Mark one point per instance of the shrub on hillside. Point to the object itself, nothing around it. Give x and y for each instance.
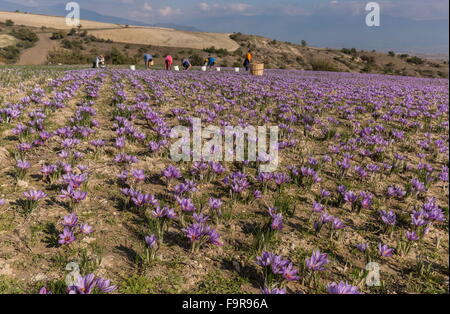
(415, 60)
(323, 65)
(10, 53)
(72, 44)
(196, 60)
(220, 52)
(116, 57)
(9, 23)
(352, 51)
(236, 36)
(368, 59)
(58, 35)
(25, 35)
(67, 57)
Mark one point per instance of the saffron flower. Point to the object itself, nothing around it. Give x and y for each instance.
(317, 261)
(384, 250)
(66, 237)
(342, 288)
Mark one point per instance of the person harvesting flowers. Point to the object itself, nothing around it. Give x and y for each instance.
(168, 61)
(248, 60)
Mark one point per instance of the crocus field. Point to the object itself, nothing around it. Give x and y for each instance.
(91, 202)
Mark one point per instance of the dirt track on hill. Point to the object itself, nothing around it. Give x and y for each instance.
(38, 54)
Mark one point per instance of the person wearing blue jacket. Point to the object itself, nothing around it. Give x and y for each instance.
(148, 60)
(211, 62)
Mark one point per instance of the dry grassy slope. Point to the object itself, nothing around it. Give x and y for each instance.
(167, 37)
(7, 40)
(287, 55)
(132, 35)
(37, 20)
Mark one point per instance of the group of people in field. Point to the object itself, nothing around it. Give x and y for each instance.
(209, 62)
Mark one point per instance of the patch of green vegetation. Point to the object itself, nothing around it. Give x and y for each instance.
(285, 204)
(10, 286)
(137, 285)
(6, 221)
(55, 286)
(217, 282)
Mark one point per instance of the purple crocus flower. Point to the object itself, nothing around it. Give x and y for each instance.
(86, 229)
(200, 218)
(384, 250)
(317, 261)
(362, 246)
(290, 273)
(47, 170)
(273, 291)
(34, 195)
(337, 224)
(171, 172)
(318, 208)
(66, 237)
(214, 203)
(342, 288)
(139, 175)
(23, 164)
(104, 285)
(412, 236)
(265, 259)
(194, 232)
(44, 290)
(70, 221)
(78, 196)
(418, 186)
(324, 193)
(257, 194)
(187, 205)
(389, 218)
(214, 237)
(394, 191)
(84, 285)
(277, 222)
(350, 197)
(418, 218)
(152, 241)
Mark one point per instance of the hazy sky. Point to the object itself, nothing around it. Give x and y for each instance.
(177, 11)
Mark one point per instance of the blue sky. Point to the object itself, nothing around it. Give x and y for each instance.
(177, 11)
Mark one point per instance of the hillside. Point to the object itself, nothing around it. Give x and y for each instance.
(126, 44)
(127, 34)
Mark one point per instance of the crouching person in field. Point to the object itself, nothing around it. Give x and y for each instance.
(148, 60)
(168, 61)
(187, 64)
(99, 62)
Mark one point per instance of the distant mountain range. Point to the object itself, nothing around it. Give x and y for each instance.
(58, 10)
